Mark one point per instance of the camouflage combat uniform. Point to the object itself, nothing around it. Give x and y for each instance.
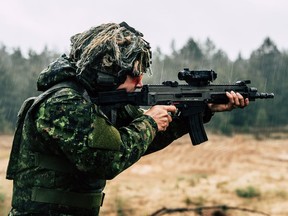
(68, 147)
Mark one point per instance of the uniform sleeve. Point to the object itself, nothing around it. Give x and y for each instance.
(72, 126)
(177, 128)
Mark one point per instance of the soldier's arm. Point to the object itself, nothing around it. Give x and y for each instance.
(88, 140)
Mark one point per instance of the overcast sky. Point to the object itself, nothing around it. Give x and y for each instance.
(233, 25)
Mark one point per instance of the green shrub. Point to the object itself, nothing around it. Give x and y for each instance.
(248, 192)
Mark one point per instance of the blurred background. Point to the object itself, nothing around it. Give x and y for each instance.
(240, 40)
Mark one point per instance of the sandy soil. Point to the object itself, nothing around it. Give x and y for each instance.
(5, 185)
(186, 176)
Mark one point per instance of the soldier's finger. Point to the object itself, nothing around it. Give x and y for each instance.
(170, 108)
(230, 97)
(169, 118)
(240, 99)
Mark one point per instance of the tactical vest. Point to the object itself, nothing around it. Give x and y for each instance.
(72, 199)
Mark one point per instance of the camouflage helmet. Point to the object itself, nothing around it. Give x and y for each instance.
(105, 54)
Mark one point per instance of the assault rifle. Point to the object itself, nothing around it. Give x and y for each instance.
(191, 99)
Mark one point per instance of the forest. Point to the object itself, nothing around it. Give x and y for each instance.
(267, 68)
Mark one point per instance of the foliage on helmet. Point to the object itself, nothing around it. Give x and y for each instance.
(113, 49)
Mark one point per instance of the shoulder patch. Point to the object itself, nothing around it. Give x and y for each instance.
(104, 135)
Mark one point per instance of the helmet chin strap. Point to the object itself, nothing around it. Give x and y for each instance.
(99, 80)
(105, 79)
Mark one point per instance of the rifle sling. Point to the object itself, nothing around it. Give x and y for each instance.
(74, 199)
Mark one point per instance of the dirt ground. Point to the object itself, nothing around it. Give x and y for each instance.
(238, 171)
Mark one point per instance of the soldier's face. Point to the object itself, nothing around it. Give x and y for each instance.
(132, 83)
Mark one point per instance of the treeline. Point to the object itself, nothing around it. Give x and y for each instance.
(18, 75)
(267, 68)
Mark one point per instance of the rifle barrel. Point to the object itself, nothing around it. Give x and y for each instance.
(264, 95)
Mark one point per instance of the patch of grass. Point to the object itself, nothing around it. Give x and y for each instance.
(2, 197)
(2, 207)
(199, 201)
(195, 179)
(122, 208)
(222, 184)
(188, 201)
(248, 192)
(281, 194)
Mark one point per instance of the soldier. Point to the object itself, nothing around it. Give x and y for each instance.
(65, 147)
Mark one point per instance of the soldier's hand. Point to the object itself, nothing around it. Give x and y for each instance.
(236, 100)
(161, 115)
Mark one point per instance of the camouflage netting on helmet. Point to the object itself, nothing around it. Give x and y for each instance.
(112, 49)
